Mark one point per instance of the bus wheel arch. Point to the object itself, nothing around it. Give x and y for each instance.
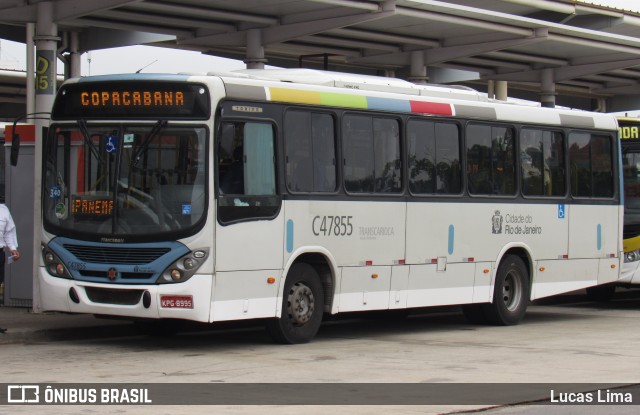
(511, 289)
(307, 294)
(325, 266)
(523, 252)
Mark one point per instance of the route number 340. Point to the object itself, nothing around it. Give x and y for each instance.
(332, 225)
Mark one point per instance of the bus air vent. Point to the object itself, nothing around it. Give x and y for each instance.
(111, 296)
(102, 255)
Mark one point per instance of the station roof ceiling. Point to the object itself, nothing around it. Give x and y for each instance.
(593, 51)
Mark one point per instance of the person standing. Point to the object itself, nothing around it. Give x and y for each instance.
(8, 241)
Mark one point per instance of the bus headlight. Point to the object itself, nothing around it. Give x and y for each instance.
(632, 256)
(53, 264)
(184, 268)
(189, 263)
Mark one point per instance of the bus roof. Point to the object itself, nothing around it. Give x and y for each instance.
(325, 88)
(306, 86)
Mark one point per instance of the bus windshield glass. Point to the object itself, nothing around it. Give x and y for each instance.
(631, 163)
(125, 181)
(630, 141)
(631, 169)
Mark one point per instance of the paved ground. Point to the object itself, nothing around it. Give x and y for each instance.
(567, 340)
(23, 325)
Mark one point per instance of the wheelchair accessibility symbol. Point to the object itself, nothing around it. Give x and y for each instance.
(561, 211)
(112, 144)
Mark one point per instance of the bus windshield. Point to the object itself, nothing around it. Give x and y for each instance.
(631, 163)
(631, 168)
(124, 181)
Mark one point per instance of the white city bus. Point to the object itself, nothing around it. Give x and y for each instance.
(288, 194)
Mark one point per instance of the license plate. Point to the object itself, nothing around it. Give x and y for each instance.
(176, 301)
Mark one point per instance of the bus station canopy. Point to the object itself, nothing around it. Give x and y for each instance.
(584, 50)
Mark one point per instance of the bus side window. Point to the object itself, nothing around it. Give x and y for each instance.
(434, 157)
(246, 172)
(542, 162)
(225, 156)
(310, 151)
(259, 160)
(591, 165)
(491, 160)
(602, 166)
(372, 160)
(479, 159)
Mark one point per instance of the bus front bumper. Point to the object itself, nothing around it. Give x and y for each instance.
(630, 273)
(189, 300)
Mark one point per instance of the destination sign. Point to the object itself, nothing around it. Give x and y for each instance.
(91, 207)
(132, 98)
(628, 132)
(129, 99)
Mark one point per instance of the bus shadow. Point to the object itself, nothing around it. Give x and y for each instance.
(356, 325)
(349, 326)
(623, 299)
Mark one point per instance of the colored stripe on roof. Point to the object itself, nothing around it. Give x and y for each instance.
(431, 108)
(343, 100)
(388, 104)
(295, 95)
(335, 99)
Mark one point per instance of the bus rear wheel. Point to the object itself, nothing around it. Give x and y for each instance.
(302, 307)
(510, 294)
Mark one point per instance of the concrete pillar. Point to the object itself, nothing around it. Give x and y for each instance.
(75, 65)
(501, 90)
(255, 51)
(31, 69)
(491, 89)
(418, 69)
(548, 86)
(46, 39)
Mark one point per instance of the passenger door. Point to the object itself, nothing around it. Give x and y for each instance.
(250, 225)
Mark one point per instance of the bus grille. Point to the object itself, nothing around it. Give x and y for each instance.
(105, 255)
(109, 296)
(123, 275)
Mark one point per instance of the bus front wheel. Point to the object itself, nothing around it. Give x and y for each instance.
(510, 294)
(302, 307)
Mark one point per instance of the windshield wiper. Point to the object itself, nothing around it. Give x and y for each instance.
(82, 124)
(161, 124)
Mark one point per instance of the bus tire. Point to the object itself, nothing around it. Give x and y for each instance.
(601, 293)
(302, 307)
(510, 294)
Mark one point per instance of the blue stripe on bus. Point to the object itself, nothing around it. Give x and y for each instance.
(599, 237)
(290, 236)
(388, 104)
(451, 235)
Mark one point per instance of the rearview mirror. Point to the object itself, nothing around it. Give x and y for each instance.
(15, 147)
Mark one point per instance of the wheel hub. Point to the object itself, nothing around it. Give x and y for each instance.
(301, 304)
(511, 292)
